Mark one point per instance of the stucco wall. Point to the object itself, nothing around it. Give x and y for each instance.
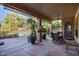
(71, 19)
(77, 19)
(77, 12)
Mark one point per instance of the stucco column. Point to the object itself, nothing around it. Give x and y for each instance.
(1, 42)
(77, 38)
(39, 34)
(0, 29)
(50, 26)
(78, 31)
(40, 26)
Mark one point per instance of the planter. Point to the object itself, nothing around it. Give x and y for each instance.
(32, 38)
(44, 36)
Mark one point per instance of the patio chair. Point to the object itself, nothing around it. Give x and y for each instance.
(60, 37)
(55, 37)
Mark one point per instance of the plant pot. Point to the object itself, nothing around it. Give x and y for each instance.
(33, 38)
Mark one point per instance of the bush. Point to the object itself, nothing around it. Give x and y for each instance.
(13, 36)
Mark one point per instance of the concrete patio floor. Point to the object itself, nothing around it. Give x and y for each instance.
(20, 47)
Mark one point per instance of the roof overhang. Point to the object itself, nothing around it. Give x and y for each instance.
(47, 11)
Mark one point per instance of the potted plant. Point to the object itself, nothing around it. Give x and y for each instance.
(32, 37)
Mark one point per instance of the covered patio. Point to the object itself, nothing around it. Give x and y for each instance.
(21, 47)
(68, 13)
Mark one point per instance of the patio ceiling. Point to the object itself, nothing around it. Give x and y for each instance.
(47, 11)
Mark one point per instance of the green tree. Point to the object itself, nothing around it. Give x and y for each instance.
(10, 21)
(45, 26)
(21, 22)
(56, 24)
(13, 21)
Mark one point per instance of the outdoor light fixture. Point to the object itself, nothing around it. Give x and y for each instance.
(59, 17)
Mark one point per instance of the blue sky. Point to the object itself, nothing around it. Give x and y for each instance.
(4, 12)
